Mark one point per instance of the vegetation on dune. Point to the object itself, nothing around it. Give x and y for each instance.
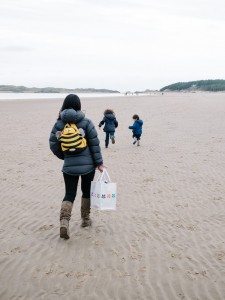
(23, 89)
(199, 85)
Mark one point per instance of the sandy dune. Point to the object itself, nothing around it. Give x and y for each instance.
(165, 241)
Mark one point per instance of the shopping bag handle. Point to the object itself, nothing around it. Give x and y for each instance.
(104, 175)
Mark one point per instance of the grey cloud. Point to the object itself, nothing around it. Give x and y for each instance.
(116, 43)
(15, 48)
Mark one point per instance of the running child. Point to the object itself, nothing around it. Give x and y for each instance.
(110, 126)
(137, 129)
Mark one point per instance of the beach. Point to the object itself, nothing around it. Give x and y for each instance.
(166, 239)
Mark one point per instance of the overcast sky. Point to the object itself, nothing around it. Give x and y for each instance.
(116, 44)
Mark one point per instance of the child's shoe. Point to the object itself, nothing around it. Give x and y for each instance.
(113, 140)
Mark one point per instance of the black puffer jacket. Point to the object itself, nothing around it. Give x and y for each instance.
(110, 122)
(86, 161)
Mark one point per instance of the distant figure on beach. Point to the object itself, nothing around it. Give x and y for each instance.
(74, 139)
(137, 129)
(110, 126)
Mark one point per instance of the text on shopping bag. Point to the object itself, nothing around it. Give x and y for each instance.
(103, 196)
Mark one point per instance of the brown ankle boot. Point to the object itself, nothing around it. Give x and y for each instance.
(85, 212)
(65, 215)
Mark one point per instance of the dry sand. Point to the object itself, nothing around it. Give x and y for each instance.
(165, 241)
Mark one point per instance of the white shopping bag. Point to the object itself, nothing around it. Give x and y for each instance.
(103, 193)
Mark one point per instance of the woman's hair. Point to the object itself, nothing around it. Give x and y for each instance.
(108, 111)
(136, 117)
(71, 101)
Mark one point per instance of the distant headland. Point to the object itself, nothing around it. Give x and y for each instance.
(216, 85)
(23, 89)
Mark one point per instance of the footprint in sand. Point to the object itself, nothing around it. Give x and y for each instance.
(220, 255)
(46, 227)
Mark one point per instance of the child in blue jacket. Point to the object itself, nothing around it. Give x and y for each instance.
(110, 126)
(137, 129)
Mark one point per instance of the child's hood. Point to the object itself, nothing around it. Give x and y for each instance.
(110, 116)
(140, 122)
(71, 115)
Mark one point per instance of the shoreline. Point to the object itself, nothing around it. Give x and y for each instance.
(101, 96)
(49, 96)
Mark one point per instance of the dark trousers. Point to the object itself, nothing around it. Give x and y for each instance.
(107, 136)
(137, 136)
(71, 183)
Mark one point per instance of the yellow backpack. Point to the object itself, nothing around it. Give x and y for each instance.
(72, 141)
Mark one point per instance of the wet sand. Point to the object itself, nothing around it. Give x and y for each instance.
(166, 239)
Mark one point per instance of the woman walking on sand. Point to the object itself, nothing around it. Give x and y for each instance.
(74, 139)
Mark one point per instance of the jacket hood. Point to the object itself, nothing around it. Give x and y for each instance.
(110, 116)
(71, 115)
(140, 122)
